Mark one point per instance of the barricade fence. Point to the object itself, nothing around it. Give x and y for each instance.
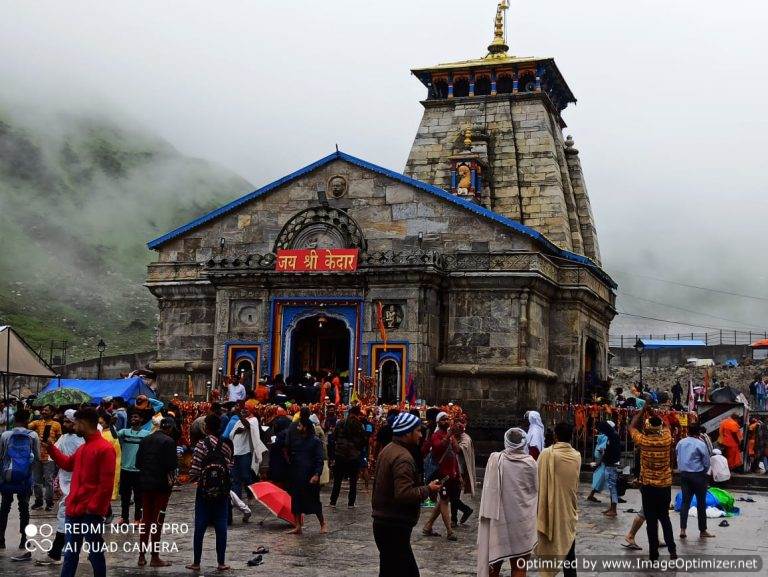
(721, 337)
(584, 419)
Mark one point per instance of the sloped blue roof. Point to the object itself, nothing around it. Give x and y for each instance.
(439, 192)
(651, 345)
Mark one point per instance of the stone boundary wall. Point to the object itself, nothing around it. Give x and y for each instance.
(112, 367)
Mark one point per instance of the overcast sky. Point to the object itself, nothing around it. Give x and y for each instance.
(670, 122)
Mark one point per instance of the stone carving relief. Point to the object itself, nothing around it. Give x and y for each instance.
(392, 316)
(338, 186)
(245, 314)
(321, 227)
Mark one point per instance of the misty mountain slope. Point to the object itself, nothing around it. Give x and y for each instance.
(79, 198)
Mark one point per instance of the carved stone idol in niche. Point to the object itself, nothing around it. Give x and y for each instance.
(392, 316)
(465, 180)
(338, 186)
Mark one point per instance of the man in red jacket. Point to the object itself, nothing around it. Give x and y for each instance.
(93, 473)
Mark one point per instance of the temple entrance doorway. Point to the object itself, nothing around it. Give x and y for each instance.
(245, 373)
(319, 345)
(591, 381)
(389, 382)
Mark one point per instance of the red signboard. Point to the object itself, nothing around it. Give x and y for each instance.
(317, 260)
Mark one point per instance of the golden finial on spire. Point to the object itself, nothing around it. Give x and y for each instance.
(498, 47)
(468, 138)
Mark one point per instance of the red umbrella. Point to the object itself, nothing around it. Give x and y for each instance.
(761, 344)
(274, 499)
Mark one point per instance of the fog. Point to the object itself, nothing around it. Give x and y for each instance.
(669, 120)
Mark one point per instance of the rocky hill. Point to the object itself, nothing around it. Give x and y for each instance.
(79, 198)
(664, 377)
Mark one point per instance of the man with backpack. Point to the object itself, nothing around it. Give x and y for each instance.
(19, 450)
(211, 464)
(350, 441)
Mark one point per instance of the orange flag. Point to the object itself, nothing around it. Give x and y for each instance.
(380, 323)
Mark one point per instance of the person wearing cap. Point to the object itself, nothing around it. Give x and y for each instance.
(68, 443)
(396, 498)
(718, 468)
(156, 462)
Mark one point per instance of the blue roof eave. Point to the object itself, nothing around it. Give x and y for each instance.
(652, 345)
(434, 190)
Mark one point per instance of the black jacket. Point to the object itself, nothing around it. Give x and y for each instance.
(156, 462)
(350, 439)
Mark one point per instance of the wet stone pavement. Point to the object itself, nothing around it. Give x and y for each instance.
(349, 548)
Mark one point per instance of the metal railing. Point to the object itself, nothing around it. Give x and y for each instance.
(721, 337)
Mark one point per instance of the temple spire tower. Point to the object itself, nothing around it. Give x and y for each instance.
(519, 165)
(498, 48)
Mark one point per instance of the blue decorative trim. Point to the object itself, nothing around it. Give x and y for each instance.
(350, 310)
(434, 190)
(229, 343)
(370, 351)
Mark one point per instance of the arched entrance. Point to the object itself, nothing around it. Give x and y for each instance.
(591, 380)
(319, 344)
(244, 372)
(389, 382)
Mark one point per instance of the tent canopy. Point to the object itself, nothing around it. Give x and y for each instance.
(651, 345)
(129, 388)
(761, 344)
(18, 358)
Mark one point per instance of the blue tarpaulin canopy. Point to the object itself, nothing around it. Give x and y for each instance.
(129, 388)
(650, 345)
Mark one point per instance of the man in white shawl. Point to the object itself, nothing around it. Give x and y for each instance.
(249, 448)
(508, 508)
(559, 467)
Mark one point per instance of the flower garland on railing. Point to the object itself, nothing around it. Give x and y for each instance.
(266, 413)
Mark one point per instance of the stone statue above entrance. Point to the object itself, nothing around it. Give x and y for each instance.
(320, 227)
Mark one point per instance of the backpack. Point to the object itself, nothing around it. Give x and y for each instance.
(214, 482)
(17, 464)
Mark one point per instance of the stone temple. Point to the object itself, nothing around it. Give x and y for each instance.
(473, 276)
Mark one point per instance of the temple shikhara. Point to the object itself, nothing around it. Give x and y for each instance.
(473, 276)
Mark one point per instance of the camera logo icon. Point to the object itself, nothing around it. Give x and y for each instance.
(38, 537)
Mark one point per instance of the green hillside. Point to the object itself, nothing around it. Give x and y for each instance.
(79, 198)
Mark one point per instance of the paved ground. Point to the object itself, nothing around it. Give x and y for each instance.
(349, 548)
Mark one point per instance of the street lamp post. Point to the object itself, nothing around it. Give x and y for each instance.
(640, 347)
(101, 346)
